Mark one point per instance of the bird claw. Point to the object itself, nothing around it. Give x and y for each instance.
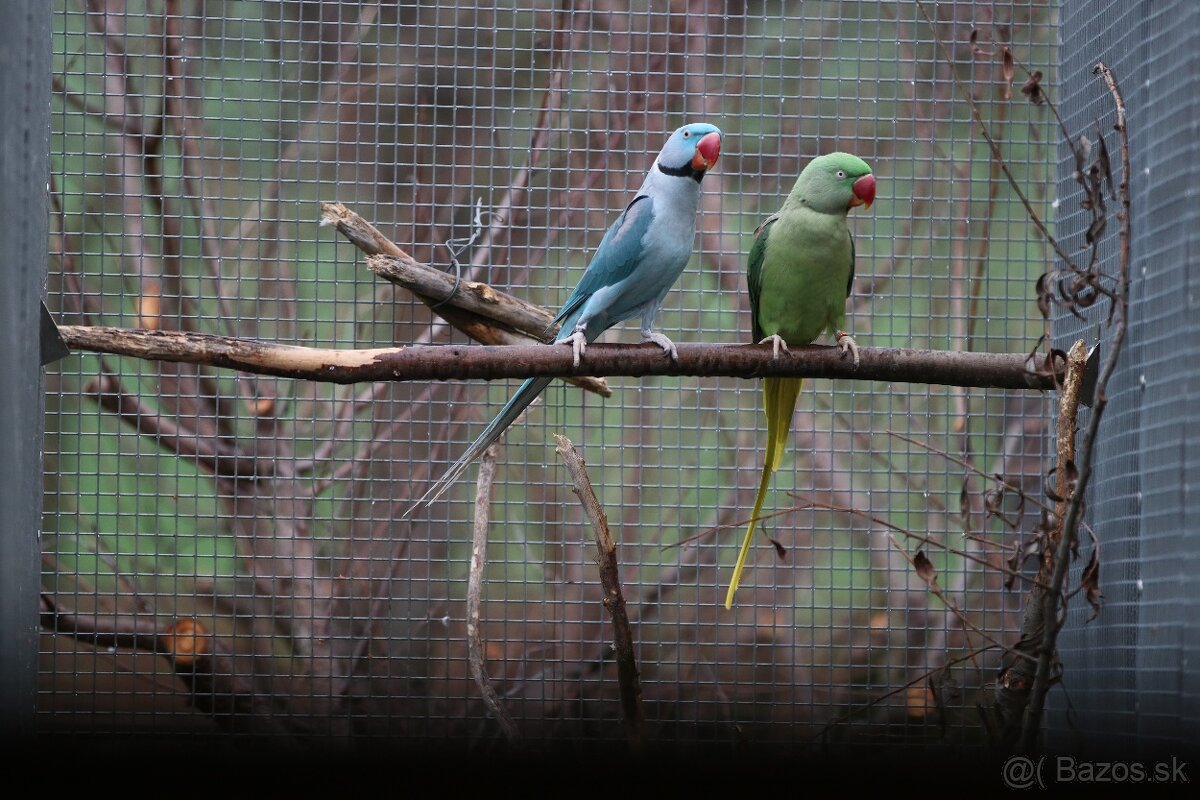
(847, 344)
(663, 342)
(578, 342)
(777, 344)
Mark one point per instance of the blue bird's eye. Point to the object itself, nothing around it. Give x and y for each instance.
(686, 134)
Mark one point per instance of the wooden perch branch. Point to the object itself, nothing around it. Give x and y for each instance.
(478, 298)
(454, 362)
(614, 599)
(485, 314)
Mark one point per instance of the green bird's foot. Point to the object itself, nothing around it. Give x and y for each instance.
(777, 344)
(662, 341)
(847, 345)
(578, 343)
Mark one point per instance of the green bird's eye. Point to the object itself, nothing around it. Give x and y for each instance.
(841, 174)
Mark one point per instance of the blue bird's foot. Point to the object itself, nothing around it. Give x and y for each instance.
(777, 344)
(846, 344)
(578, 342)
(662, 341)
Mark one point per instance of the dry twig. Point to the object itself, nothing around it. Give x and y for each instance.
(614, 598)
(476, 657)
(475, 319)
(1119, 314)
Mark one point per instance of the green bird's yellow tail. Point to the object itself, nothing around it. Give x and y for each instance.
(779, 401)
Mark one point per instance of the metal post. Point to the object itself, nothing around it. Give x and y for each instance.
(24, 167)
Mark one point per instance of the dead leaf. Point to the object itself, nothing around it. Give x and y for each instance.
(993, 500)
(924, 567)
(1044, 297)
(1072, 476)
(1050, 486)
(1033, 88)
(1103, 162)
(1022, 552)
(1008, 70)
(1083, 151)
(964, 506)
(780, 550)
(1090, 581)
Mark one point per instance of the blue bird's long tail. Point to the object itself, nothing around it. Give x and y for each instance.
(520, 401)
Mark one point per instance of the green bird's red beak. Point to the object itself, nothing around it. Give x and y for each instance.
(864, 191)
(708, 150)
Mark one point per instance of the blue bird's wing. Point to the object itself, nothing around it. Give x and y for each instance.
(619, 254)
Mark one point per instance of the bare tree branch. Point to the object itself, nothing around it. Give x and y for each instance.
(430, 284)
(476, 656)
(212, 455)
(193, 651)
(476, 320)
(1013, 709)
(1034, 217)
(614, 598)
(1083, 459)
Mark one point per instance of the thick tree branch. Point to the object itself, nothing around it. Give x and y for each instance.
(492, 317)
(439, 287)
(209, 453)
(200, 659)
(454, 362)
(1015, 704)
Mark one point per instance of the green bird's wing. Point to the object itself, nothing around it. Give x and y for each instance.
(850, 280)
(754, 273)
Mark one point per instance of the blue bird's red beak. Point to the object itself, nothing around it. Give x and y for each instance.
(864, 191)
(708, 150)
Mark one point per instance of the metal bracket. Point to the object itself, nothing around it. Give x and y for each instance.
(53, 347)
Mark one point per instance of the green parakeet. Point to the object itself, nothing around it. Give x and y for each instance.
(800, 273)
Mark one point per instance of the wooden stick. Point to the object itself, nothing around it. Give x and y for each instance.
(476, 656)
(492, 317)
(1014, 699)
(478, 298)
(614, 599)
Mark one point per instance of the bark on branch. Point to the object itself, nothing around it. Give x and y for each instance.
(487, 315)
(1014, 700)
(454, 362)
(476, 652)
(628, 681)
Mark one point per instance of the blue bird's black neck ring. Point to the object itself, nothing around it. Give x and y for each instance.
(686, 171)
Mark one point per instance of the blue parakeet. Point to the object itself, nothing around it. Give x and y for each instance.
(638, 261)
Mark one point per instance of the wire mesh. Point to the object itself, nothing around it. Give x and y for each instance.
(192, 145)
(1127, 679)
